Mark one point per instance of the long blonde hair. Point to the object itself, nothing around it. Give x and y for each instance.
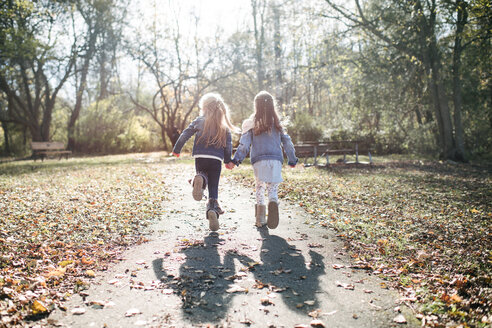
(265, 117)
(217, 121)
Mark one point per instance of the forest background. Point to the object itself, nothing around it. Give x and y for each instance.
(119, 76)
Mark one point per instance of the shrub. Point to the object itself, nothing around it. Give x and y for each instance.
(305, 128)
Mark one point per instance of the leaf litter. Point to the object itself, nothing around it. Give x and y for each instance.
(62, 224)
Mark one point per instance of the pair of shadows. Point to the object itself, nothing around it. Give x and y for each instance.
(202, 282)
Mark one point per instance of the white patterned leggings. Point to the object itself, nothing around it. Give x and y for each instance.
(272, 189)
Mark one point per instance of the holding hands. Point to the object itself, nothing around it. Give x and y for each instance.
(230, 165)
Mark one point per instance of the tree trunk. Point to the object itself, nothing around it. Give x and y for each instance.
(259, 34)
(6, 137)
(278, 55)
(449, 146)
(103, 76)
(441, 111)
(163, 137)
(46, 125)
(432, 62)
(462, 17)
(81, 87)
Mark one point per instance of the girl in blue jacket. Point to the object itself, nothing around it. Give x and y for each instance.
(263, 134)
(211, 147)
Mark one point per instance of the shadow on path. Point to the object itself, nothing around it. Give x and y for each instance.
(285, 267)
(204, 279)
(202, 282)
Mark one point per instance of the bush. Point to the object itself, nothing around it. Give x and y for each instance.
(105, 128)
(304, 128)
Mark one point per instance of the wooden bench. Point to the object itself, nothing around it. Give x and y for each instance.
(314, 149)
(42, 149)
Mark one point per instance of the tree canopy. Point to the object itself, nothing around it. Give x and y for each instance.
(405, 76)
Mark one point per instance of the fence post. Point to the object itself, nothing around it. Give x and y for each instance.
(315, 155)
(356, 153)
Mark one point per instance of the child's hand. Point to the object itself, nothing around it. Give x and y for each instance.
(230, 165)
(174, 154)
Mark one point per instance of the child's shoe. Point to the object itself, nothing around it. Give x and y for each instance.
(213, 220)
(272, 221)
(213, 204)
(260, 212)
(199, 184)
(212, 214)
(218, 208)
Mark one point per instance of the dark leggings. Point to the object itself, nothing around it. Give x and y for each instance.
(211, 168)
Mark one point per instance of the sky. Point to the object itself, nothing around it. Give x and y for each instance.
(229, 15)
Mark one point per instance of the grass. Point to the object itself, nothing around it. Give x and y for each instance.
(63, 220)
(425, 226)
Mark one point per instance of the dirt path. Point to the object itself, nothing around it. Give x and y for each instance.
(242, 276)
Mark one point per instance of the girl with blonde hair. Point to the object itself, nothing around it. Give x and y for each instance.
(211, 147)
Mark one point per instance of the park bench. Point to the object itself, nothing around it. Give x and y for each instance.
(42, 149)
(308, 150)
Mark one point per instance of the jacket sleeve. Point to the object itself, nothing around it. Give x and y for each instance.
(289, 149)
(228, 148)
(244, 146)
(185, 135)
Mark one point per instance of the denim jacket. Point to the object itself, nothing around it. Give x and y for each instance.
(267, 145)
(199, 147)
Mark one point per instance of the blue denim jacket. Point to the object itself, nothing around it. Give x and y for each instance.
(267, 145)
(199, 147)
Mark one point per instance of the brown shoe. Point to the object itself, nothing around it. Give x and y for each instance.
(198, 183)
(272, 221)
(213, 220)
(213, 204)
(260, 212)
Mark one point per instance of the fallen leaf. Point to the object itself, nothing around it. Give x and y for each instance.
(338, 266)
(309, 302)
(236, 289)
(456, 298)
(78, 311)
(38, 307)
(132, 312)
(90, 273)
(317, 323)
(65, 263)
(400, 319)
(345, 285)
(98, 303)
(58, 272)
(85, 261)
